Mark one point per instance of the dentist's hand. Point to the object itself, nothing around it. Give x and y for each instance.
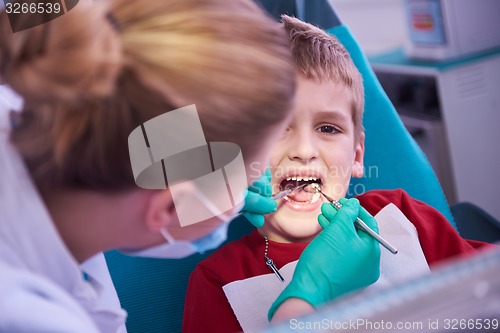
(339, 260)
(258, 200)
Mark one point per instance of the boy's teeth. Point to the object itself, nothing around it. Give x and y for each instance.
(302, 178)
(315, 197)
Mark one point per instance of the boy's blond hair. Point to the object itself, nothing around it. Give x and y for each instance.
(319, 56)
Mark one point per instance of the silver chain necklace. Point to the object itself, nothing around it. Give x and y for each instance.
(270, 263)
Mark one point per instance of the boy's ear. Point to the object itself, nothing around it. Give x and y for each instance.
(359, 154)
(160, 211)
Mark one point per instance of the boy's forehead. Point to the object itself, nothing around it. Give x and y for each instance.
(327, 99)
(326, 92)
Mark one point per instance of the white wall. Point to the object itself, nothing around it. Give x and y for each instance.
(378, 25)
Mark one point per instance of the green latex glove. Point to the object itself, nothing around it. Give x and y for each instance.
(258, 200)
(339, 260)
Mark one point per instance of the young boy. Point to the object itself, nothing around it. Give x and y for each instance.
(324, 144)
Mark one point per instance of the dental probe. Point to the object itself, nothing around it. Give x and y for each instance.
(286, 192)
(360, 224)
(277, 196)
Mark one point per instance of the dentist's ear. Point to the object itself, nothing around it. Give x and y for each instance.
(359, 154)
(161, 211)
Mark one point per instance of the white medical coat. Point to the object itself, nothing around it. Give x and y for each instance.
(41, 285)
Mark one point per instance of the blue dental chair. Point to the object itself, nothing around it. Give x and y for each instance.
(153, 291)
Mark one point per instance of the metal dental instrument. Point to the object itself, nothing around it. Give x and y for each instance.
(286, 192)
(359, 223)
(277, 196)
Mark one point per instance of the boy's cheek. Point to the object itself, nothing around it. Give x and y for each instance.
(337, 187)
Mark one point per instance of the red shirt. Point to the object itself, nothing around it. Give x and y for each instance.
(207, 308)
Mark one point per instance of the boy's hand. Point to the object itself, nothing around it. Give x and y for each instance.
(258, 200)
(339, 260)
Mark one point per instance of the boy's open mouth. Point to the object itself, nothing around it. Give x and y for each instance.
(304, 195)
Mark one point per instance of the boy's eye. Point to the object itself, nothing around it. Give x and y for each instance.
(327, 129)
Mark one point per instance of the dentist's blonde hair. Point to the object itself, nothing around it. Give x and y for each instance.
(319, 56)
(93, 75)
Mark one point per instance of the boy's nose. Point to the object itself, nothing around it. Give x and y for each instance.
(301, 147)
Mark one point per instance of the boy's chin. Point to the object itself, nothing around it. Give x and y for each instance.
(302, 234)
(297, 227)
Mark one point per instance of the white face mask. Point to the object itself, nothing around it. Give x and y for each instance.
(176, 249)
